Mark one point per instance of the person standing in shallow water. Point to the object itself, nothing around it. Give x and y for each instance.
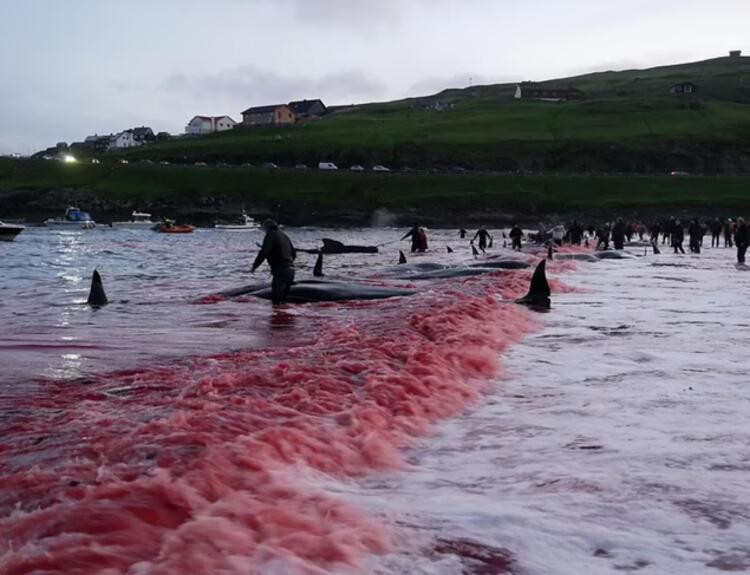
(515, 235)
(677, 237)
(483, 236)
(418, 238)
(695, 232)
(741, 239)
(279, 251)
(618, 234)
(716, 229)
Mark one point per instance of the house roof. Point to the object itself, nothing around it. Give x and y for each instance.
(303, 106)
(263, 109)
(548, 88)
(209, 118)
(142, 131)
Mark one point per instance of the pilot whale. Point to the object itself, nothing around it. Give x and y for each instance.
(97, 297)
(538, 296)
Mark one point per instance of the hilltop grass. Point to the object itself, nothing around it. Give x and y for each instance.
(445, 197)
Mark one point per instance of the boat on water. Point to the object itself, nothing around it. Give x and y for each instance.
(73, 218)
(247, 224)
(168, 226)
(8, 232)
(138, 221)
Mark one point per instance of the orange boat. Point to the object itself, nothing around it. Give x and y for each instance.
(174, 229)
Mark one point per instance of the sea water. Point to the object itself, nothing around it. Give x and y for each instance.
(449, 432)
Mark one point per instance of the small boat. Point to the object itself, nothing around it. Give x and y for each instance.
(73, 218)
(248, 224)
(8, 232)
(169, 227)
(139, 221)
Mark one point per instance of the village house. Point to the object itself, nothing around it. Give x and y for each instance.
(533, 91)
(98, 143)
(684, 88)
(143, 135)
(201, 125)
(303, 109)
(735, 53)
(268, 115)
(122, 141)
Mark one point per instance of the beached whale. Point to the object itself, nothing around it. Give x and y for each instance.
(612, 255)
(335, 247)
(502, 264)
(538, 296)
(580, 257)
(315, 291)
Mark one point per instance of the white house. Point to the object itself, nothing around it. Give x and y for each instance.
(209, 124)
(123, 140)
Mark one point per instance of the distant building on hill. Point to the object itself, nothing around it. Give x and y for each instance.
(201, 125)
(307, 109)
(122, 141)
(534, 91)
(268, 115)
(143, 135)
(735, 53)
(683, 88)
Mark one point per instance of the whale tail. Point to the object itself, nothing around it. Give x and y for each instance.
(97, 297)
(474, 250)
(550, 255)
(401, 257)
(538, 296)
(450, 249)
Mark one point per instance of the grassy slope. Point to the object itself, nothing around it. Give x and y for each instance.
(329, 193)
(630, 109)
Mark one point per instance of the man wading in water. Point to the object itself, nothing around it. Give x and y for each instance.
(278, 250)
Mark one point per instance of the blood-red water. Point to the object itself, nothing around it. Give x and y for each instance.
(206, 466)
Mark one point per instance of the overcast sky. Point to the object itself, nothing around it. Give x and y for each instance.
(71, 68)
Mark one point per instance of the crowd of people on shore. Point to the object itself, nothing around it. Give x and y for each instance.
(668, 231)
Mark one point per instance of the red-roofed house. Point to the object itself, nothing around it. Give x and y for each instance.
(209, 124)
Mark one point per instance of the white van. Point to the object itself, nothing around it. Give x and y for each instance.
(327, 166)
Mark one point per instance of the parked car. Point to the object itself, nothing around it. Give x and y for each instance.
(379, 168)
(201, 164)
(270, 165)
(357, 168)
(679, 173)
(123, 161)
(300, 167)
(327, 166)
(164, 163)
(95, 161)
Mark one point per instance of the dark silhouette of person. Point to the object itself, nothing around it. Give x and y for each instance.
(716, 228)
(279, 251)
(695, 233)
(602, 237)
(515, 235)
(418, 238)
(483, 236)
(728, 233)
(741, 239)
(678, 236)
(576, 233)
(462, 233)
(619, 231)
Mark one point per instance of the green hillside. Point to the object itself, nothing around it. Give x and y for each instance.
(629, 122)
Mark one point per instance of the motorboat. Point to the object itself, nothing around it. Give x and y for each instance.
(8, 232)
(138, 221)
(168, 226)
(73, 218)
(248, 224)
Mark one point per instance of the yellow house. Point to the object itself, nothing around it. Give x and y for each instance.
(268, 115)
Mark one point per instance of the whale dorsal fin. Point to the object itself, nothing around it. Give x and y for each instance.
(401, 257)
(318, 269)
(450, 249)
(97, 297)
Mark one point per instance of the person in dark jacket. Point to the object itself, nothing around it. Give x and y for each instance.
(576, 233)
(602, 237)
(728, 233)
(279, 251)
(418, 238)
(483, 236)
(619, 231)
(741, 239)
(462, 233)
(716, 228)
(695, 232)
(515, 235)
(677, 236)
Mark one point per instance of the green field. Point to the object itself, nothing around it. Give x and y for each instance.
(307, 197)
(628, 123)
